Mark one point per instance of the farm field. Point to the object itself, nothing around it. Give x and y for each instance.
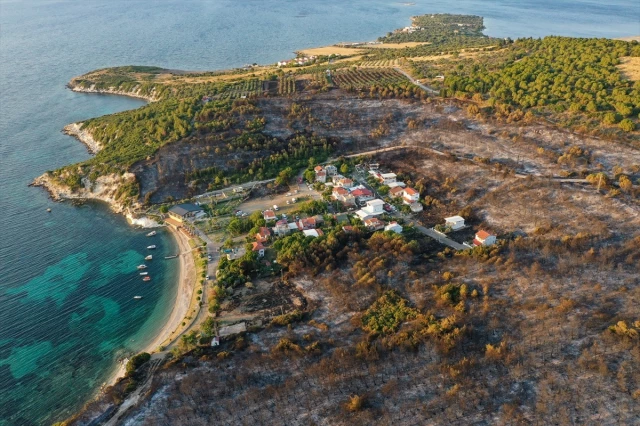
(365, 78)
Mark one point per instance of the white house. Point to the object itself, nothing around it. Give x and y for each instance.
(345, 182)
(331, 170)
(483, 238)
(258, 248)
(410, 196)
(393, 226)
(454, 222)
(312, 232)
(321, 176)
(396, 184)
(282, 227)
(387, 178)
(373, 208)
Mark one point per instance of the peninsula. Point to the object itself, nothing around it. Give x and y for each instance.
(437, 224)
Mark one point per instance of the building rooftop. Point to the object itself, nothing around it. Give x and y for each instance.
(454, 219)
(376, 202)
(183, 209)
(482, 234)
(411, 191)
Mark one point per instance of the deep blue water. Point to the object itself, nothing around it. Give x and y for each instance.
(67, 278)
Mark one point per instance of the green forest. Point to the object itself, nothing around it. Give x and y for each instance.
(557, 74)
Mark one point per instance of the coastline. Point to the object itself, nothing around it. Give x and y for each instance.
(111, 91)
(186, 287)
(75, 130)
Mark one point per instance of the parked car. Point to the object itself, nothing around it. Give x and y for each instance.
(284, 216)
(387, 208)
(275, 207)
(288, 194)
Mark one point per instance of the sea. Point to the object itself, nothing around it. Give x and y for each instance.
(68, 277)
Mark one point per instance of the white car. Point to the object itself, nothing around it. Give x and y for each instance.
(284, 216)
(275, 207)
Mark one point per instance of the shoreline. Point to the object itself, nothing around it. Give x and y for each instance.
(186, 287)
(86, 138)
(132, 94)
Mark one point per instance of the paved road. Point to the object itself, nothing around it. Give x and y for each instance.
(440, 238)
(420, 85)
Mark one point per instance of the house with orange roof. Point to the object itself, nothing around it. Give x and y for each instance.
(483, 238)
(258, 248)
(263, 235)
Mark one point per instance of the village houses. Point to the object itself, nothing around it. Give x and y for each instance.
(341, 194)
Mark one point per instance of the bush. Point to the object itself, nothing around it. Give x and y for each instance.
(627, 125)
(136, 362)
(387, 313)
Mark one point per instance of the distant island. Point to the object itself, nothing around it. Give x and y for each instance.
(437, 224)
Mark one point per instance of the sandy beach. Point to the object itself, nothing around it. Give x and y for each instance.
(186, 286)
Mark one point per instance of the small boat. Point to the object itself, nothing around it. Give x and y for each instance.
(48, 210)
(151, 234)
(142, 266)
(147, 278)
(144, 273)
(151, 247)
(137, 297)
(148, 257)
(171, 257)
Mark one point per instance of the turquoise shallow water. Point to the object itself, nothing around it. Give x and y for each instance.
(67, 278)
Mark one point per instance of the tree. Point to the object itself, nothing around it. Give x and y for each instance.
(344, 169)
(310, 176)
(627, 125)
(284, 176)
(136, 362)
(164, 209)
(383, 190)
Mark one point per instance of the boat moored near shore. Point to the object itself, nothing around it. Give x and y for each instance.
(151, 234)
(151, 247)
(137, 297)
(142, 266)
(147, 278)
(144, 273)
(149, 257)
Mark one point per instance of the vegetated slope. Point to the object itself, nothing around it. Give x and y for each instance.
(574, 82)
(247, 140)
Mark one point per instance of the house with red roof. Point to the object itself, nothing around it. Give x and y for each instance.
(321, 176)
(362, 194)
(410, 196)
(396, 192)
(373, 224)
(483, 238)
(307, 223)
(263, 235)
(258, 248)
(341, 194)
(269, 215)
